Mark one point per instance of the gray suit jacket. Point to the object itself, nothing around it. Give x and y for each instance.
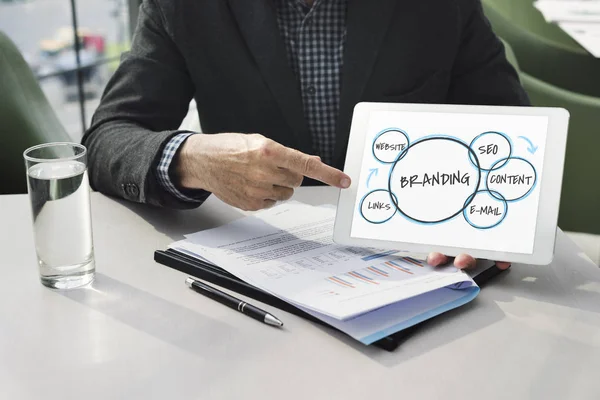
(229, 56)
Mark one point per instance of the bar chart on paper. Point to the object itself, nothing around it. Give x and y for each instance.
(378, 278)
(397, 269)
(298, 261)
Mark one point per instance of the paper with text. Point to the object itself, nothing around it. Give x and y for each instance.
(288, 251)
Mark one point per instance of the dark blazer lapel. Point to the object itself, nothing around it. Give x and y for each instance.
(258, 24)
(367, 24)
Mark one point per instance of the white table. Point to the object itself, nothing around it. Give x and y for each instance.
(139, 333)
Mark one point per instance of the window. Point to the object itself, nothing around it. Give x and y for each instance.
(72, 73)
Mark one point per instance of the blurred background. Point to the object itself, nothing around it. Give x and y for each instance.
(43, 31)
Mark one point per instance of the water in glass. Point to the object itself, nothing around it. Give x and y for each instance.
(60, 202)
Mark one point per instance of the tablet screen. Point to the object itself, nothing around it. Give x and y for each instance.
(451, 179)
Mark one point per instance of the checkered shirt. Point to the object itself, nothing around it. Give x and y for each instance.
(168, 154)
(314, 38)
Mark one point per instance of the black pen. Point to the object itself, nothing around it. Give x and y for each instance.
(232, 302)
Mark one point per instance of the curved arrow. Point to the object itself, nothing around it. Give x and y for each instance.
(532, 149)
(372, 171)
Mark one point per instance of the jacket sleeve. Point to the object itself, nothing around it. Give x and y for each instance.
(481, 73)
(142, 106)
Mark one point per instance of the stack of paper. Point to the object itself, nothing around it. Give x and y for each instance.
(579, 18)
(288, 251)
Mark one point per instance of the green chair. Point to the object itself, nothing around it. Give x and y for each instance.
(523, 13)
(552, 59)
(26, 117)
(580, 198)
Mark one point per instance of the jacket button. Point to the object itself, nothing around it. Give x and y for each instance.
(134, 190)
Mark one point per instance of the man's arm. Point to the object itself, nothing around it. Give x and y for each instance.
(144, 102)
(167, 174)
(481, 74)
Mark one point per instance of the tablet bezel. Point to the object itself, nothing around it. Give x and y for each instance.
(550, 185)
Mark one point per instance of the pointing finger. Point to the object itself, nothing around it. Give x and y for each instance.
(313, 167)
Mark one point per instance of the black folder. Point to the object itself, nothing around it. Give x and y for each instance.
(218, 276)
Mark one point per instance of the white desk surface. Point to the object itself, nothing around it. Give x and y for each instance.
(139, 333)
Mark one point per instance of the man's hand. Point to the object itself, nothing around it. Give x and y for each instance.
(462, 261)
(250, 172)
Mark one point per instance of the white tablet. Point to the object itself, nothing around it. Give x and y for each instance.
(482, 180)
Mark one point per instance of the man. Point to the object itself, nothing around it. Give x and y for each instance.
(288, 71)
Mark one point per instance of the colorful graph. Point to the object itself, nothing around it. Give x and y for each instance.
(398, 268)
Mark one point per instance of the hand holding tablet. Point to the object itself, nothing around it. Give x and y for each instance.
(481, 180)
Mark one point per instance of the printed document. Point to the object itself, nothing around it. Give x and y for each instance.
(288, 251)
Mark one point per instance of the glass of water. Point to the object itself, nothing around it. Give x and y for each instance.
(59, 191)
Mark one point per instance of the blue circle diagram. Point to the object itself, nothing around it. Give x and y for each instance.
(438, 177)
(516, 183)
(492, 147)
(482, 209)
(389, 145)
(459, 202)
(377, 206)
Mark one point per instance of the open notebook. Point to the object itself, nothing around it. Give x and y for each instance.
(288, 252)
